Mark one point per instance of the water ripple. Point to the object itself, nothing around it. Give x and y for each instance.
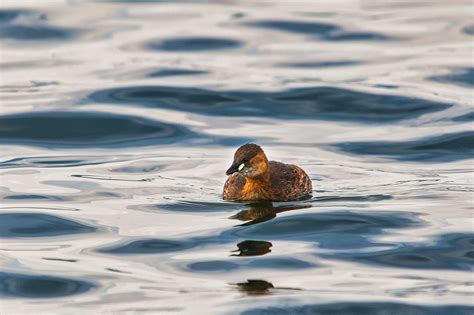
(174, 72)
(443, 148)
(322, 227)
(87, 129)
(363, 308)
(357, 36)
(186, 99)
(331, 230)
(9, 15)
(463, 77)
(25, 25)
(55, 161)
(340, 104)
(324, 31)
(322, 103)
(469, 117)
(193, 44)
(469, 30)
(26, 224)
(309, 65)
(190, 206)
(450, 251)
(39, 286)
(147, 246)
(280, 263)
(299, 27)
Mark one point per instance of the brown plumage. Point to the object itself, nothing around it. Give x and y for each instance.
(253, 177)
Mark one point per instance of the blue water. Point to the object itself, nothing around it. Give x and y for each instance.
(119, 118)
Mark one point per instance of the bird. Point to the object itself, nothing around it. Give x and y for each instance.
(253, 178)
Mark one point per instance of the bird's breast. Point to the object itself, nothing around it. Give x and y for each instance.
(255, 190)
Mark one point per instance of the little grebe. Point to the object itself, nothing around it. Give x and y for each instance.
(253, 177)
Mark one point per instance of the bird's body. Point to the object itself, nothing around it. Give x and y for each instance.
(253, 178)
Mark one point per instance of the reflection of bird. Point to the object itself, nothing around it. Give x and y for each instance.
(255, 287)
(264, 211)
(260, 287)
(253, 248)
(253, 177)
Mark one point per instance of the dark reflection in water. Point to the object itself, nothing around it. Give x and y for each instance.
(332, 230)
(36, 286)
(319, 64)
(296, 226)
(324, 31)
(328, 229)
(450, 251)
(38, 225)
(194, 44)
(264, 211)
(465, 118)
(341, 104)
(444, 148)
(212, 266)
(247, 250)
(9, 15)
(253, 248)
(326, 103)
(355, 36)
(195, 206)
(469, 30)
(54, 161)
(464, 77)
(60, 259)
(252, 263)
(387, 86)
(89, 129)
(366, 198)
(185, 99)
(254, 211)
(364, 308)
(138, 168)
(147, 246)
(280, 263)
(31, 197)
(174, 72)
(255, 287)
(117, 270)
(298, 27)
(31, 27)
(23, 32)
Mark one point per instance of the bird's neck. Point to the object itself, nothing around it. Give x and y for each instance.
(263, 179)
(257, 188)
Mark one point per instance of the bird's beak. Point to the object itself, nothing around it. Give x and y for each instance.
(232, 169)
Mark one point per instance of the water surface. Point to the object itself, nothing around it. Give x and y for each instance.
(119, 119)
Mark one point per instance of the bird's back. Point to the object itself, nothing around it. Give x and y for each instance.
(288, 182)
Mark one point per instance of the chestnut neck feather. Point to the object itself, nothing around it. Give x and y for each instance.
(262, 179)
(258, 187)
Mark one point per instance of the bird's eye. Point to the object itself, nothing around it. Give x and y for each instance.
(241, 166)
